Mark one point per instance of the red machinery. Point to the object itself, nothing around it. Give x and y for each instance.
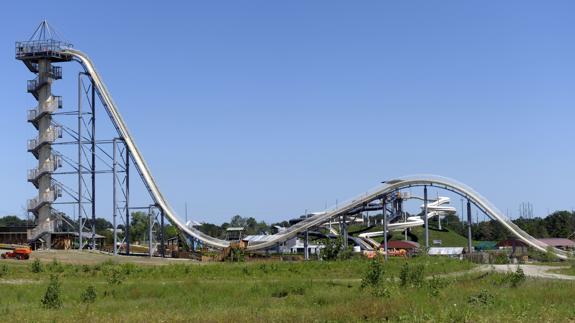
(16, 252)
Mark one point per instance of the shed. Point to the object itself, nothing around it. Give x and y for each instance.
(234, 233)
(452, 252)
(402, 244)
(560, 243)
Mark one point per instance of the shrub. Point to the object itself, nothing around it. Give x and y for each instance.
(436, 284)
(381, 291)
(483, 298)
(517, 278)
(513, 279)
(89, 295)
(51, 299)
(499, 258)
(334, 249)
(3, 270)
(55, 266)
(412, 276)
(374, 274)
(115, 276)
(36, 266)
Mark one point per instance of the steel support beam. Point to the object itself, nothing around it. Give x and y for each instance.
(426, 221)
(93, 164)
(127, 170)
(162, 232)
(150, 230)
(80, 208)
(114, 195)
(469, 238)
(383, 202)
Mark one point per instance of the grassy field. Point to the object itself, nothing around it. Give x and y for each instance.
(566, 271)
(279, 291)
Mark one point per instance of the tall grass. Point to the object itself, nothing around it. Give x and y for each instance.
(281, 292)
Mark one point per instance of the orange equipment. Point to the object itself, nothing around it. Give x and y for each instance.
(17, 252)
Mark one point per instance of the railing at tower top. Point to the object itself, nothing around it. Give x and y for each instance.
(35, 49)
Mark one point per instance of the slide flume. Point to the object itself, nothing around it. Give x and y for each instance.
(313, 221)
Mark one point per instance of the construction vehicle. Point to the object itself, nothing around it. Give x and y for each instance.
(16, 252)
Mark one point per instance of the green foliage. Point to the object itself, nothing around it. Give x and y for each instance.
(512, 279)
(51, 299)
(12, 221)
(3, 270)
(373, 275)
(498, 258)
(547, 256)
(36, 266)
(516, 278)
(335, 250)
(237, 255)
(89, 295)
(436, 284)
(139, 223)
(483, 298)
(115, 276)
(55, 266)
(284, 291)
(412, 275)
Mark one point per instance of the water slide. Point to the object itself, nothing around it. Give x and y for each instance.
(313, 221)
(434, 208)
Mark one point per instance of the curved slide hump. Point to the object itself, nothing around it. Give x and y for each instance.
(313, 221)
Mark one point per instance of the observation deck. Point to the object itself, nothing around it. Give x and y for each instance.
(32, 51)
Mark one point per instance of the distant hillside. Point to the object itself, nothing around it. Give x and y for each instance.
(449, 238)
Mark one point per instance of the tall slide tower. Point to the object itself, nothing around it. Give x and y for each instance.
(38, 54)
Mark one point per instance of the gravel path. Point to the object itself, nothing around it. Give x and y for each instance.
(537, 271)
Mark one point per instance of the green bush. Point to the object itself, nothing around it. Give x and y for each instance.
(412, 275)
(499, 258)
(36, 266)
(55, 266)
(436, 284)
(89, 295)
(513, 279)
(483, 298)
(335, 250)
(115, 276)
(51, 299)
(517, 278)
(373, 275)
(3, 270)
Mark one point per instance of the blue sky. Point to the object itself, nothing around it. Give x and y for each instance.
(268, 108)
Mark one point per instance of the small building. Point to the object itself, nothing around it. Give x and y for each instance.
(560, 243)
(516, 246)
(401, 247)
(313, 249)
(15, 234)
(235, 233)
(451, 252)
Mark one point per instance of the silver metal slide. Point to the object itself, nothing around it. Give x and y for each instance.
(313, 221)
